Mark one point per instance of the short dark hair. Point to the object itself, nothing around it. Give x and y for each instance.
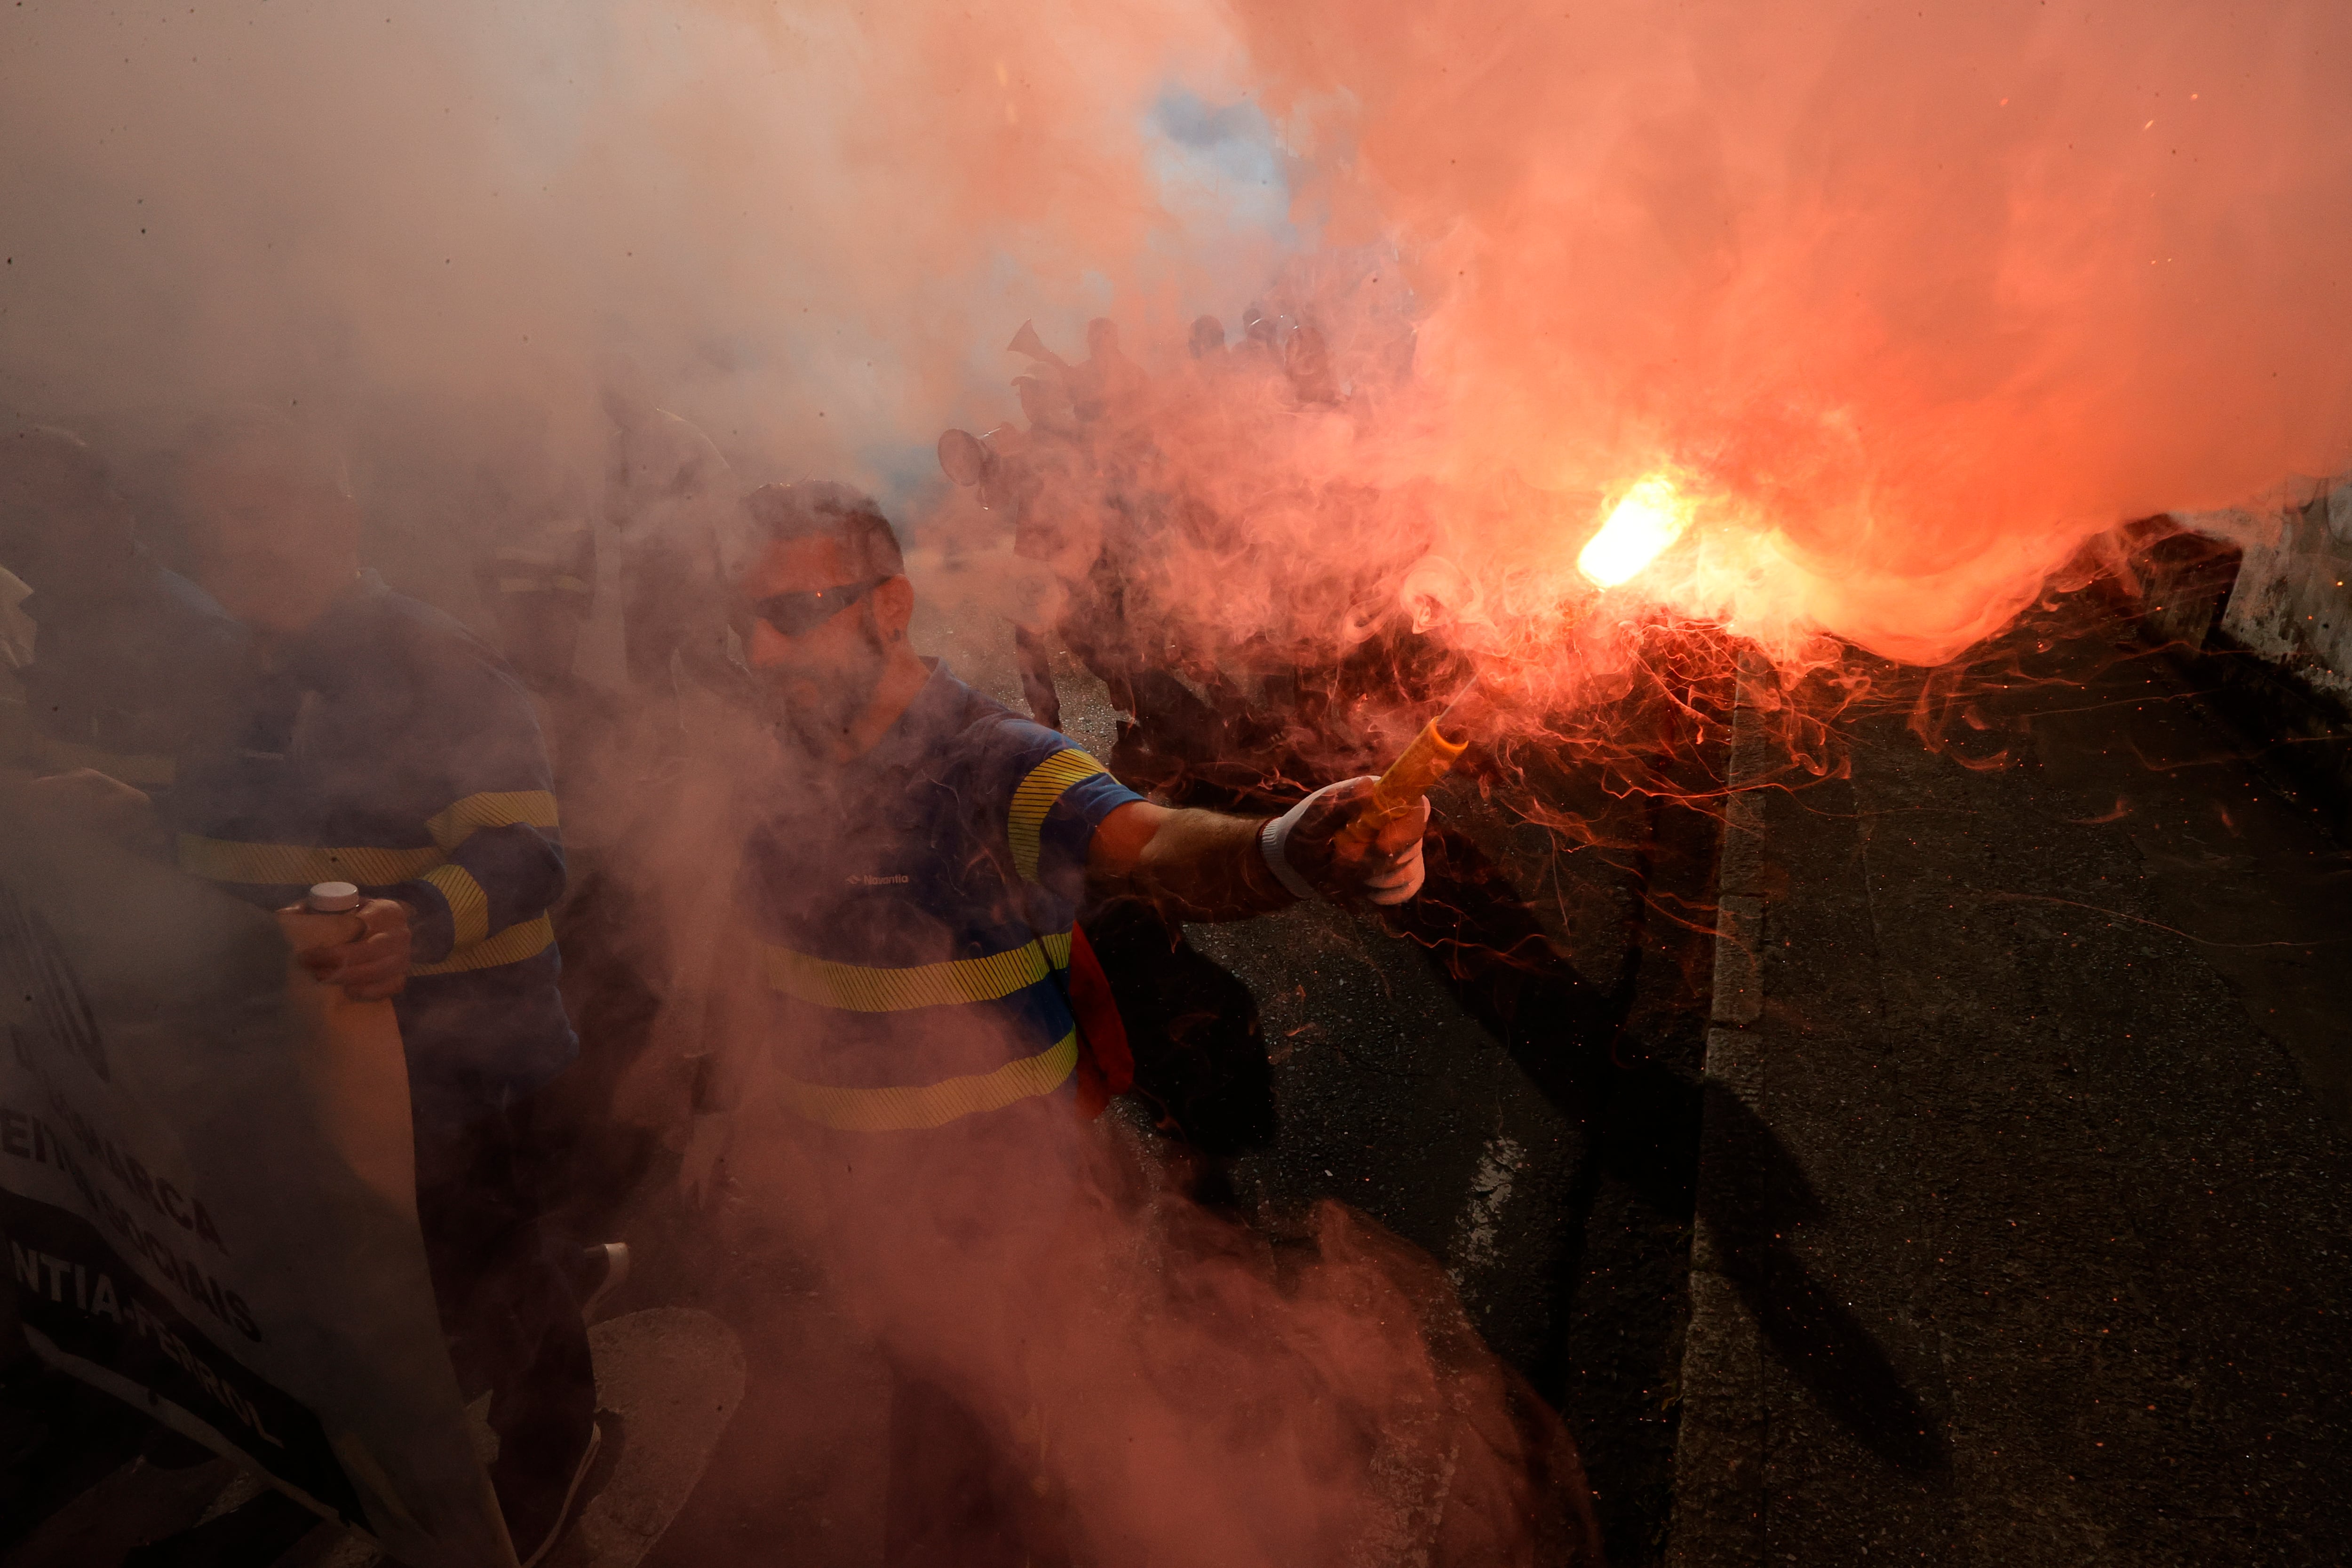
(819, 509)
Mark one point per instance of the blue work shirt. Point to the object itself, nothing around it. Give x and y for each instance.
(391, 748)
(912, 915)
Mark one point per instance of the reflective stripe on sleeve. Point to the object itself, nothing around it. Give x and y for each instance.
(298, 865)
(469, 907)
(501, 808)
(226, 860)
(527, 940)
(933, 1105)
(1033, 799)
(859, 989)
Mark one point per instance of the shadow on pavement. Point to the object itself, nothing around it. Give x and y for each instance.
(1564, 1033)
(1753, 1214)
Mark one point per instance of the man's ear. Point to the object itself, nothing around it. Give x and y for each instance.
(894, 607)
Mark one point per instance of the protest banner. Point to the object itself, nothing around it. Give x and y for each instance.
(206, 1195)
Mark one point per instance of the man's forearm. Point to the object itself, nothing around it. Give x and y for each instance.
(1206, 866)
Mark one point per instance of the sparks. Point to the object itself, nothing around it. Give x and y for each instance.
(1652, 516)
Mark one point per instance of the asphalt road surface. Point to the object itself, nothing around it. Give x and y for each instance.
(2026, 1191)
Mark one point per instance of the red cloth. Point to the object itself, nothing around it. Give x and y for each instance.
(1106, 1066)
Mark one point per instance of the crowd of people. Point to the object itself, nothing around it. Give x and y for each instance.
(904, 974)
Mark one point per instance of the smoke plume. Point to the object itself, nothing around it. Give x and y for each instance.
(1911, 301)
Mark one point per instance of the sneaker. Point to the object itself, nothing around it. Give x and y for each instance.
(537, 1517)
(603, 1268)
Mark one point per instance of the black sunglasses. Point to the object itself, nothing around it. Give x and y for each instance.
(796, 614)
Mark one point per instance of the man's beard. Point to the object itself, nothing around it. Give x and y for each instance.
(818, 711)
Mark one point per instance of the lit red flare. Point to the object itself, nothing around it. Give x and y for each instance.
(1653, 515)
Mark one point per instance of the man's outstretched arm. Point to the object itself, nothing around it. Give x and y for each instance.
(1207, 866)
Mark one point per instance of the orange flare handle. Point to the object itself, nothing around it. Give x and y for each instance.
(1413, 775)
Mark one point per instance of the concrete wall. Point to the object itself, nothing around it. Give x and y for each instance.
(2277, 660)
(2291, 607)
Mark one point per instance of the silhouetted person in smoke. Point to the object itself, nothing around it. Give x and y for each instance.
(540, 590)
(1207, 338)
(121, 656)
(108, 660)
(908, 901)
(376, 741)
(668, 490)
(1064, 484)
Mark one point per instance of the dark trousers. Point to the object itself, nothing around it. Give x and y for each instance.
(959, 1496)
(506, 1300)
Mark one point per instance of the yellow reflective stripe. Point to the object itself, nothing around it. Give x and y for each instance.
(934, 1105)
(503, 809)
(511, 946)
(1057, 948)
(859, 989)
(226, 860)
(469, 907)
(1035, 797)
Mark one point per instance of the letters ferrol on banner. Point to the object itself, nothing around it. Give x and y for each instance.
(195, 1203)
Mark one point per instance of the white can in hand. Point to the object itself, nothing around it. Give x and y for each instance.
(333, 897)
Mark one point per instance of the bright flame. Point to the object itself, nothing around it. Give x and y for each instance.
(1651, 517)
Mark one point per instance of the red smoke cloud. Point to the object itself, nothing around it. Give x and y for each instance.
(1917, 298)
(1911, 300)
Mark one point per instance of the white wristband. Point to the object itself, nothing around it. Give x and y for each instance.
(1273, 838)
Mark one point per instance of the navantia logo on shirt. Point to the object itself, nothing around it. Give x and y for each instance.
(863, 879)
(33, 963)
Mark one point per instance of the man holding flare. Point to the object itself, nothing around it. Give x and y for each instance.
(913, 993)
